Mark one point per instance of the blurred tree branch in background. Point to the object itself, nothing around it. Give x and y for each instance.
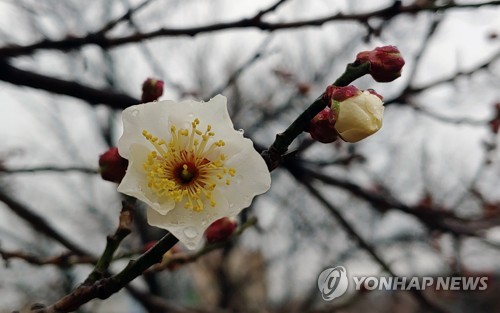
(100, 40)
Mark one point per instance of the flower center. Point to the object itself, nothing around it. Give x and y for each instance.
(186, 173)
(188, 168)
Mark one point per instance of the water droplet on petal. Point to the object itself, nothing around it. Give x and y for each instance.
(190, 244)
(231, 205)
(241, 131)
(135, 112)
(156, 206)
(191, 115)
(190, 232)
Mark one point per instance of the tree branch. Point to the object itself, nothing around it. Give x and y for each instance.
(102, 41)
(270, 9)
(63, 260)
(445, 221)
(93, 96)
(39, 223)
(410, 91)
(354, 234)
(112, 243)
(85, 170)
(105, 287)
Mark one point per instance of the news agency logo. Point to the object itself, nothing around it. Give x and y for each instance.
(333, 283)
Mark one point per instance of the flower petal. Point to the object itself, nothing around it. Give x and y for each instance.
(351, 116)
(252, 178)
(153, 115)
(135, 182)
(185, 224)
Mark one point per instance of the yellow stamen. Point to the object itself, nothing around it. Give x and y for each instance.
(188, 168)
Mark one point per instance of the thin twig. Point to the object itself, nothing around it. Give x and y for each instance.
(63, 260)
(112, 243)
(126, 16)
(410, 90)
(270, 9)
(234, 76)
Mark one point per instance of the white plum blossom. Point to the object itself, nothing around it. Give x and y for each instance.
(189, 165)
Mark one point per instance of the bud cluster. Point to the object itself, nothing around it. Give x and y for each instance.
(352, 114)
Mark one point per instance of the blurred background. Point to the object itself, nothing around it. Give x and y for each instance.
(419, 198)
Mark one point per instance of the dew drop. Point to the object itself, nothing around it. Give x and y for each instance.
(241, 131)
(191, 115)
(190, 244)
(190, 232)
(156, 206)
(135, 112)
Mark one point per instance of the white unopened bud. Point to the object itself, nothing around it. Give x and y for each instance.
(358, 116)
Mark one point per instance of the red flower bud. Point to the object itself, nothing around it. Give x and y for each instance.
(112, 166)
(220, 230)
(385, 62)
(152, 89)
(322, 127)
(495, 121)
